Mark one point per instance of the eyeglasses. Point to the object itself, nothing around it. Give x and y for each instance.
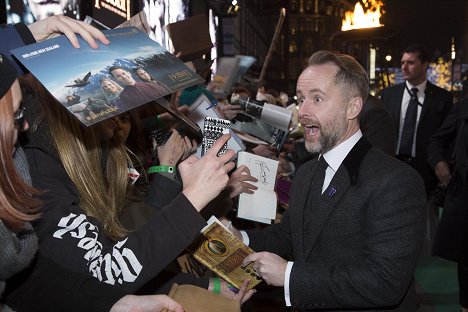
(20, 117)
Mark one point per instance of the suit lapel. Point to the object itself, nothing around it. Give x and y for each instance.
(302, 188)
(346, 176)
(323, 207)
(427, 101)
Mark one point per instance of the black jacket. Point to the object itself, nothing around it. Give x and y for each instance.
(436, 106)
(77, 241)
(450, 143)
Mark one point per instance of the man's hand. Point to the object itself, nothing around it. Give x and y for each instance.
(265, 151)
(237, 182)
(268, 266)
(59, 24)
(153, 303)
(230, 111)
(442, 171)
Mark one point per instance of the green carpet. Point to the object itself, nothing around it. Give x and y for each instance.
(437, 279)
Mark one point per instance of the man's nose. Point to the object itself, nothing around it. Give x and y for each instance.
(303, 109)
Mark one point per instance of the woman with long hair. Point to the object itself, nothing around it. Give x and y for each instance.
(19, 206)
(83, 172)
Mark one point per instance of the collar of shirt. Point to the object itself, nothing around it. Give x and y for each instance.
(335, 156)
(421, 88)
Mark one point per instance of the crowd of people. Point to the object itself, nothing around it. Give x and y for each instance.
(94, 218)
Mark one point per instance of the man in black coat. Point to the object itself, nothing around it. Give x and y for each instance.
(433, 105)
(355, 222)
(449, 145)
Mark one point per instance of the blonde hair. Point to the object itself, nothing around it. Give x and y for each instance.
(98, 169)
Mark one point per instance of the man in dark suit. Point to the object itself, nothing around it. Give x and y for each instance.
(449, 145)
(433, 106)
(354, 226)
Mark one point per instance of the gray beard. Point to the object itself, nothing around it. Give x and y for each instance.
(328, 138)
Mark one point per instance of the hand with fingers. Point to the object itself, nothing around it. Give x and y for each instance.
(228, 291)
(265, 151)
(269, 266)
(237, 182)
(190, 147)
(442, 171)
(204, 178)
(153, 303)
(230, 111)
(59, 24)
(172, 151)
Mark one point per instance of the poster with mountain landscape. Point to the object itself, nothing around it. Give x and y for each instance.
(96, 84)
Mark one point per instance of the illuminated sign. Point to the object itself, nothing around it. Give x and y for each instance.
(119, 7)
(112, 12)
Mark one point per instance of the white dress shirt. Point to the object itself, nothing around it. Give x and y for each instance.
(404, 107)
(334, 158)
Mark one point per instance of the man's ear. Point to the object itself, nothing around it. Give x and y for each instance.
(425, 66)
(354, 107)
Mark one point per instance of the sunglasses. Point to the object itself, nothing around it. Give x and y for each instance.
(20, 117)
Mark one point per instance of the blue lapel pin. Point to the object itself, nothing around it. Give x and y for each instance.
(331, 192)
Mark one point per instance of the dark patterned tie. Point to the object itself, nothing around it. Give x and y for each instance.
(319, 175)
(407, 135)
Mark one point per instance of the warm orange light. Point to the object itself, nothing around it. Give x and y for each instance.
(360, 19)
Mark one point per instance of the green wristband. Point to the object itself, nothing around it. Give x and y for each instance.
(154, 169)
(216, 285)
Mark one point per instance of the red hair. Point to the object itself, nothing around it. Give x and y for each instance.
(17, 202)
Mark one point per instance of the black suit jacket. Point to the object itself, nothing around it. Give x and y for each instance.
(450, 143)
(377, 125)
(436, 106)
(360, 250)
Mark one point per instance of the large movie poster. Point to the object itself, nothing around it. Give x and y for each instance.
(96, 84)
(29, 11)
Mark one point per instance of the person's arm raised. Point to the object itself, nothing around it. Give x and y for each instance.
(59, 24)
(204, 178)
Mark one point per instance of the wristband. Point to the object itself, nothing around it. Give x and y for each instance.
(154, 169)
(216, 285)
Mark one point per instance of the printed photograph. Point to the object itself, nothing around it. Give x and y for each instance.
(97, 84)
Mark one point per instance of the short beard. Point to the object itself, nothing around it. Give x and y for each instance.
(329, 135)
